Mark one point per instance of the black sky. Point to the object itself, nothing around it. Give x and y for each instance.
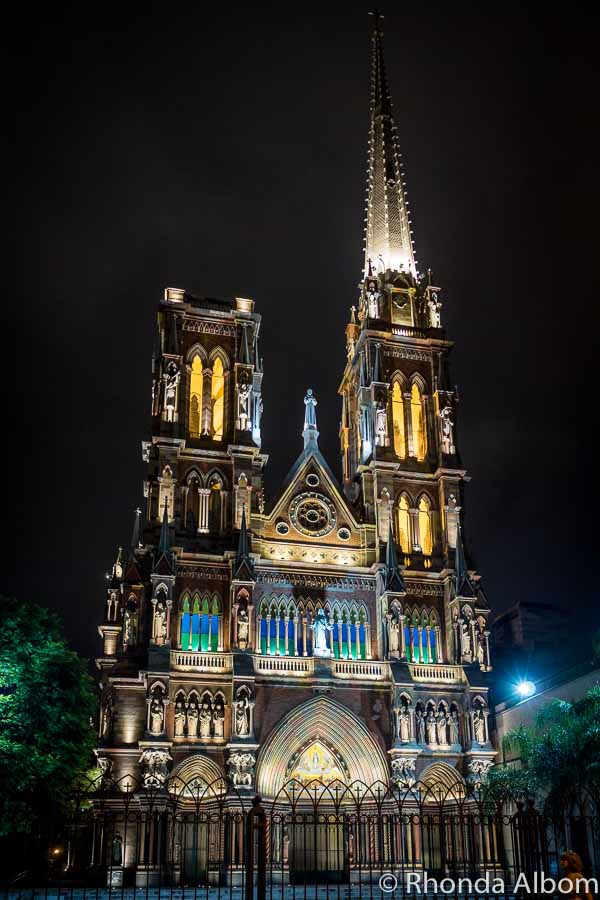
(223, 150)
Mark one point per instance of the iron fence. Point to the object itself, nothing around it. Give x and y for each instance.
(188, 841)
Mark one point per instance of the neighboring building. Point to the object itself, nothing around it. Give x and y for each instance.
(336, 633)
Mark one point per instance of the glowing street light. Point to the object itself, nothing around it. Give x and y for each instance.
(525, 689)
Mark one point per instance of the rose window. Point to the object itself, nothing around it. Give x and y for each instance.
(312, 514)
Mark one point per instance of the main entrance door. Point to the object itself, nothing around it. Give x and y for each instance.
(317, 849)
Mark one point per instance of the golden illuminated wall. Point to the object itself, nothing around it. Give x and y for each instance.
(218, 400)
(425, 532)
(195, 397)
(398, 421)
(418, 423)
(403, 525)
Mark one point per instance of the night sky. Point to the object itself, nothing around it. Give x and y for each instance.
(223, 150)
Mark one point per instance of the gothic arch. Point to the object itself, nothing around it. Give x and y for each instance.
(441, 781)
(218, 475)
(196, 350)
(197, 770)
(320, 717)
(219, 353)
(420, 382)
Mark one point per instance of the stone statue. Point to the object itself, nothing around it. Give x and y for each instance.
(394, 633)
(179, 717)
(171, 384)
(244, 418)
(129, 630)
(479, 770)
(405, 734)
(192, 719)
(454, 726)
(465, 639)
(155, 767)
(479, 726)
(447, 426)
(116, 856)
(310, 413)
(420, 727)
(241, 769)
(219, 719)
(434, 306)
(430, 725)
(320, 627)
(441, 728)
(160, 622)
(403, 772)
(108, 711)
(157, 715)
(242, 716)
(205, 720)
(481, 649)
(381, 424)
(243, 628)
(105, 765)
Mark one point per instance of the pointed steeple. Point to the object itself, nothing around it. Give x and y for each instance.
(309, 432)
(163, 561)
(173, 341)
(135, 534)
(243, 569)
(463, 585)
(257, 360)
(377, 365)
(393, 579)
(245, 351)
(388, 236)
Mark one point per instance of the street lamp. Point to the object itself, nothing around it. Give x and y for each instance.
(525, 689)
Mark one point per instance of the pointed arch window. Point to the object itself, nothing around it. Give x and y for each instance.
(195, 415)
(417, 417)
(425, 530)
(403, 525)
(398, 421)
(214, 507)
(190, 624)
(218, 399)
(209, 636)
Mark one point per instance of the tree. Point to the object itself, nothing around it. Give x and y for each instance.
(47, 701)
(560, 755)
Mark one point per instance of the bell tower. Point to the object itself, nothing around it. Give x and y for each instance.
(398, 429)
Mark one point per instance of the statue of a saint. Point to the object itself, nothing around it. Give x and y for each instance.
(479, 726)
(171, 383)
(319, 628)
(192, 719)
(244, 418)
(420, 719)
(243, 628)
(242, 716)
(310, 413)
(465, 639)
(405, 735)
(393, 632)
(129, 628)
(205, 720)
(434, 305)
(179, 717)
(454, 736)
(157, 714)
(447, 429)
(117, 850)
(430, 725)
(442, 736)
(381, 424)
(160, 622)
(219, 719)
(481, 649)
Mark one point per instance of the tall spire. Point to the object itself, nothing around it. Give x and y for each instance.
(388, 239)
(393, 576)
(164, 542)
(463, 585)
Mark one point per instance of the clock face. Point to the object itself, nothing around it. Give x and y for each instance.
(312, 514)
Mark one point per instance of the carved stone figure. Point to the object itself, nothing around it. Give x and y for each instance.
(241, 769)
(454, 728)
(479, 726)
(171, 385)
(434, 306)
(481, 649)
(394, 635)
(116, 856)
(243, 628)
(442, 736)
(179, 717)
(244, 418)
(372, 298)
(242, 716)
(479, 770)
(381, 424)
(129, 628)
(157, 715)
(155, 767)
(403, 772)
(219, 719)
(320, 627)
(430, 725)
(465, 639)
(160, 622)
(105, 765)
(310, 414)
(108, 712)
(205, 720)
(420, 720)
(405, 734)
(447, 428)
(192, 719)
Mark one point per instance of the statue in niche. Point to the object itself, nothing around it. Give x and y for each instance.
(320, 627)
(116, 856)
(244, 417)
(434, 306)
(447, 426)
(242, 716)
(405, 734)
(394, 635)
(160, 622)
(481, 649)
(205, 719)
(310, 412)
(442, 736)
(243, 628)
(420, 720)
(171, 384)
(403, 772)
(430, 725)
(372, 295)
(129, 627)
(376, 709)
(381, 424)
(179, 717)
(479, 726)
(192, 719)
(465, 639)
(108, 713)
(453, 724)
(157, 715)
(219, 719)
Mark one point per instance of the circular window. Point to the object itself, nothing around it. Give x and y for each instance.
(282, 528)
(312, 479)
(344, 534)
(312, 514)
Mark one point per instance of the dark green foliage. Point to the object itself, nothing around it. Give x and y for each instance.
(560, 755)
(47, 701)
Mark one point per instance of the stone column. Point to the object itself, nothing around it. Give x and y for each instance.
(415, 530)
(402, 636)
(428, 642)
(234, 633)
(295, 635)
(304, 647)
(368, 653)
(203, 510)
(410, 442)
(268, 634)
(438, 645)
(287, 630)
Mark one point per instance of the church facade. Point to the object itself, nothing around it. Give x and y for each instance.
(336, 634)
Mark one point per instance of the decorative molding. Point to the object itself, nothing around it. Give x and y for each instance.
(208, 327)
(295, 579)
(420, 588)
(403, 353)
(204, 572)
